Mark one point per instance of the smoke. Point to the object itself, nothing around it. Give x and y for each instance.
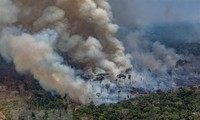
(134, 12)
(95, 26)
(34, 54)
(35, 35)
(148, 55)
(146, 27)
(62, 42)
(8, 11)
(50, 15)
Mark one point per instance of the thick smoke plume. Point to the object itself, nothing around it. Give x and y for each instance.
(34, 54)
(34, 31)
(62, 42)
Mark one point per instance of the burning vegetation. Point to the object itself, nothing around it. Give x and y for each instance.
(64, 54)
(70, 47)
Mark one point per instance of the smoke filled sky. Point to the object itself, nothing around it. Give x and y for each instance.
(130, 12)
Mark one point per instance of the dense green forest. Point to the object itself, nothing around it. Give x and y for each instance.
(183, 103)
(179, 104)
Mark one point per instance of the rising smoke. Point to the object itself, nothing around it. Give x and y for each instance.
(32, 33)
(147, 25)
(58, 41)
(153, 56)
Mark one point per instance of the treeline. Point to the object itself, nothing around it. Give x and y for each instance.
(173, 105)
(180, 104)
(42, 100)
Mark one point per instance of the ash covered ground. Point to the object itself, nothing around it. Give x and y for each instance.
(127, 86)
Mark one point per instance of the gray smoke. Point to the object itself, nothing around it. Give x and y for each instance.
(60, 41)
(34, 54)
(33, 31)
(150, 55)
(8, 11)
(132, 12)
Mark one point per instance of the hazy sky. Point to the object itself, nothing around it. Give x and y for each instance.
(152, 11)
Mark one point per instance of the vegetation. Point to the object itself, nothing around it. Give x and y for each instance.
(173, 105)
(181, 104)
(45, 106)
(43, 100)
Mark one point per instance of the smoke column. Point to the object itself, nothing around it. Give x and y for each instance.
(60, 41)
(33, 32)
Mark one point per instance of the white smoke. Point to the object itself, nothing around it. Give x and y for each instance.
(32, 32)
(50, 15)
(47, 38)
(149, 55)
(8, 12)
(34, 54)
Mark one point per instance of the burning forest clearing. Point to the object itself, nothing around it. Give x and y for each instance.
(23, 98)
(56, 53)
